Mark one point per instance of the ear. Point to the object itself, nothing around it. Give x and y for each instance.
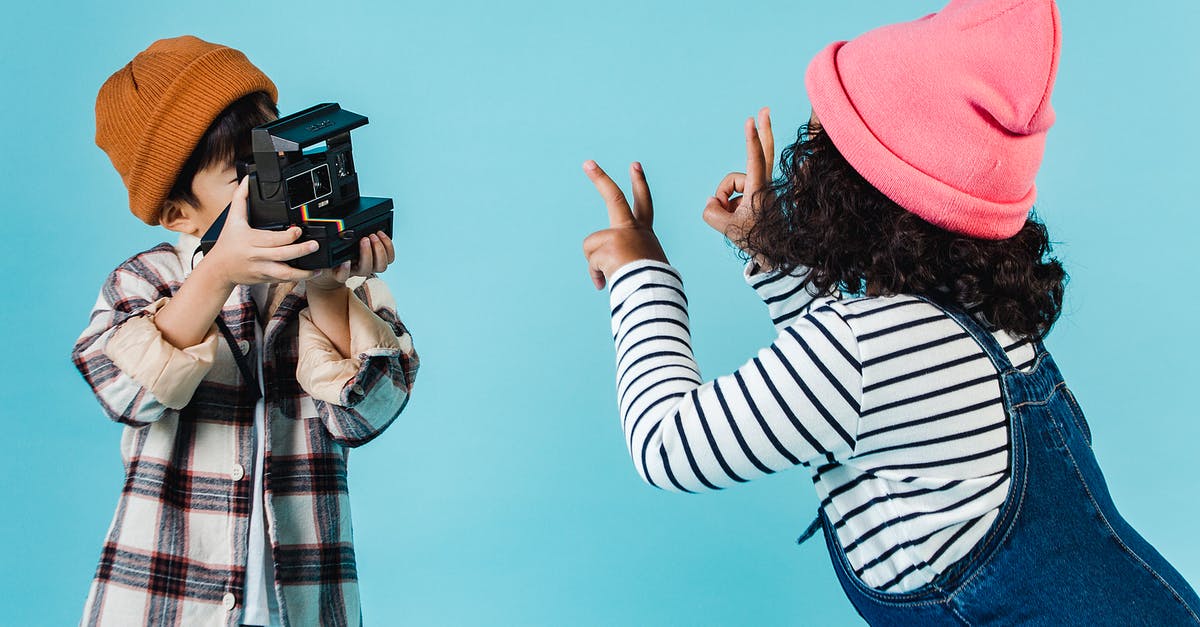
(178, 216)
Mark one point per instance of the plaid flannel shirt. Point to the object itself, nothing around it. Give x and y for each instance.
(176, 551)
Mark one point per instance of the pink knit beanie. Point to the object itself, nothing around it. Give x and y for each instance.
(947, 115)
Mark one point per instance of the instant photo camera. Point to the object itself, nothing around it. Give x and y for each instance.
(302, 174)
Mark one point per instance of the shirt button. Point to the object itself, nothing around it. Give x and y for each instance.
(244, 346)
(228, 601)
(357, 389)
(238, 472)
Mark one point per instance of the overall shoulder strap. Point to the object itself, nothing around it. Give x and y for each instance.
(982, 336)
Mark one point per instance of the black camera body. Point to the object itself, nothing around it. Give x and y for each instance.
(294, 181)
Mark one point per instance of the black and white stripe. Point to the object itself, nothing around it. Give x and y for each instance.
(892, 406)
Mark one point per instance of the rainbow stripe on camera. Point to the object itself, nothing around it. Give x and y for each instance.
(341, 224)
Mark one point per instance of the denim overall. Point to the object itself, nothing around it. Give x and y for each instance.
(1058, 552)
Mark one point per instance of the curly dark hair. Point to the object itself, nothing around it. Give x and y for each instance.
(822, 214)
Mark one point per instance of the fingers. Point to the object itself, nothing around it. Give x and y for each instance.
(756, 166)
(611, 249)
(619, 213)
(593, 242)
(271, 239)
(717, 214)
(733, 183)
(591, 245)
(278, 272)
(389, 247)
(366, 257)
(375, 253)
(378, 253)
(766, 137)
(597, 277)
(643, 206)
(237, 206)
(288, 252)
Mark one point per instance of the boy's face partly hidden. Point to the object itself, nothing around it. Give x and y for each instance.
(213, 188)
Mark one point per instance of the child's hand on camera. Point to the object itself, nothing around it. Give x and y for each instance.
(630, 234)
(375, 253)
(244, 255)
(731, 215)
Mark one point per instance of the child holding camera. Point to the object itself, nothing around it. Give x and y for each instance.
(242, 381)
(953, 466)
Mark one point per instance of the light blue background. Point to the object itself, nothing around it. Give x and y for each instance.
(504, 494)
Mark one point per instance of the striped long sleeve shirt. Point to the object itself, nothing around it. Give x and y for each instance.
(895, 411)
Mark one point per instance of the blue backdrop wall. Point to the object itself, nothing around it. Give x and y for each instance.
(504, 494)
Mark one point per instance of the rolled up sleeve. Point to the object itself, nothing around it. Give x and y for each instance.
(137, 375)
(169, 373)
(357, 397)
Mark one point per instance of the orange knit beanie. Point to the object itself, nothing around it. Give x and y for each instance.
(151, 113)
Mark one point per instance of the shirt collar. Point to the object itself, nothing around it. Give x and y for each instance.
(187, 246)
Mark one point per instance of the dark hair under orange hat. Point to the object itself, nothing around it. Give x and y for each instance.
(151, 113)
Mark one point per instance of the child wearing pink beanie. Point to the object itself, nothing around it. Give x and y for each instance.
(911, 287)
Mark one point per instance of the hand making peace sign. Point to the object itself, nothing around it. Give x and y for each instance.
(630, 233)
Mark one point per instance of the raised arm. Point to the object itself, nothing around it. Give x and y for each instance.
(135, 372)
(795, 402)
